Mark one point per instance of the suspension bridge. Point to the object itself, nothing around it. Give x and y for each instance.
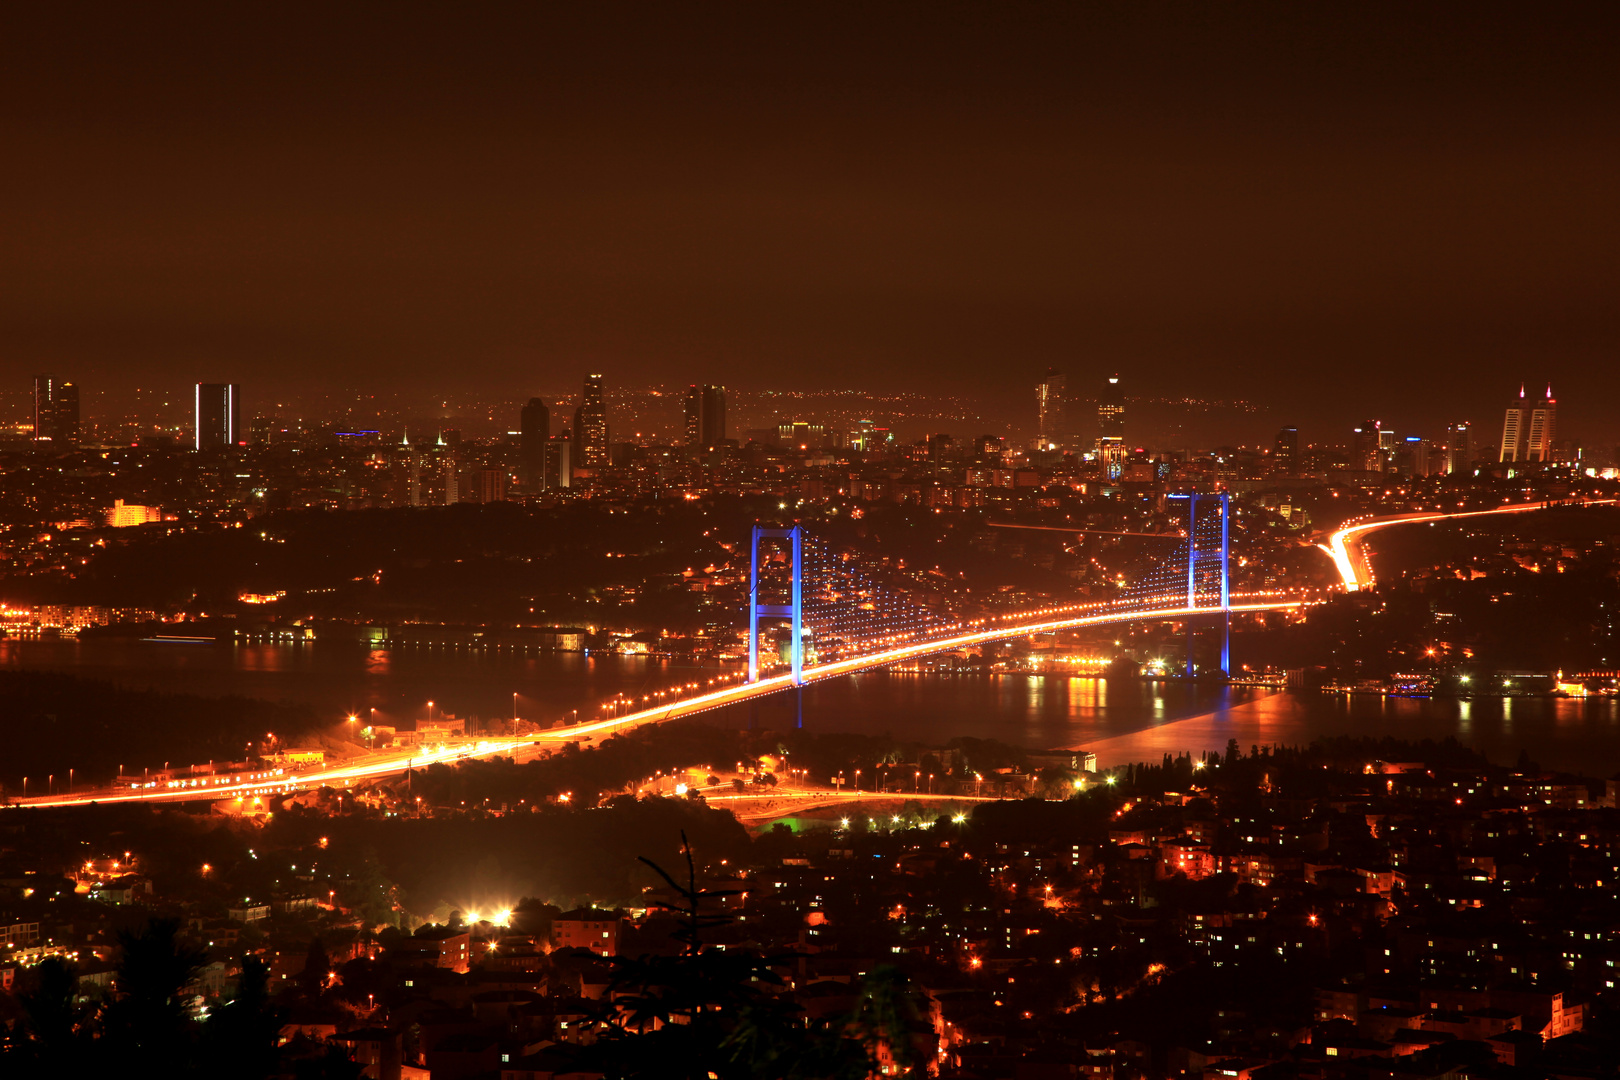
(816, 612)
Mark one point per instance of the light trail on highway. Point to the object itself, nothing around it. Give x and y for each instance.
(1344, 546)
(392, 765)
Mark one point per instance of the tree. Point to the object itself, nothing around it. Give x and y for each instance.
(240, 1038)
(147, 1026)
(317, 969)
(53, 1019)
(885, 1013)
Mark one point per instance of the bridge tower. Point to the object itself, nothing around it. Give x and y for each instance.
(792, 611)
(1208, 550)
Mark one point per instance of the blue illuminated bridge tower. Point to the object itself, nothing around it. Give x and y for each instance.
(1209, 540)
(837, 607)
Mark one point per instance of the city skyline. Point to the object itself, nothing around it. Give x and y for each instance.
(1056, 419)
(1316, 211)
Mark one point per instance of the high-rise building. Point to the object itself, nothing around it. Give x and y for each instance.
(1389, 446)
(491, 485)
(1287, 450)
(1364, 449)
(705, 416)
(1412, 457)
(1529, 432)
(218, 417)
(449, 477)
(1111, 421)
(534, 431)
(1050, 414)
(1459, 447)
(1544, 430)
(56, 410)
(591, 426)
(559, 462)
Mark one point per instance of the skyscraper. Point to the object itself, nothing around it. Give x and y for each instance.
(1287, 450)
(534, 429)
(705, 409)
(591, 426)
(1364, 452)
(218, 422)
(56, 410)
(1513, 431)
(1544, 429)
(1459, 447)
(1111, 421)
(449, 477)
(1049, 407)
(559, 462)
(1389, 446)
(1528, 433)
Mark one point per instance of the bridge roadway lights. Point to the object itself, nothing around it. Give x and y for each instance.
(674, 710)
(1354, 570)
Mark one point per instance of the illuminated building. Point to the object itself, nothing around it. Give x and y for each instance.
(534, 432)
(1543, 430)
(56, 410)
(1528, 433)
(705, 415)
(591, 426)
(123, 515)
(1111, 425)
(1389, 445)
(1287, 450)
(1364, 452)
(1049, 407)
(800, 434)
(1513, 431)
(584, 928)
(1413, 457)
(1459, 447)
(868, 436)
(559, 466)
(450, 480)
(218, 417)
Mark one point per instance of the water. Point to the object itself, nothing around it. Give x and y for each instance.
(1120, 722)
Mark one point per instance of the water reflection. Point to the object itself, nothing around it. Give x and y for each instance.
(1122, 721)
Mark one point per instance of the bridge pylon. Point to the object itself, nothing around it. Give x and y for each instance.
(792, 611)
(1208, 558)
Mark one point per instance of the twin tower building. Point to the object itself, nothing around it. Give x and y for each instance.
(1529, 430)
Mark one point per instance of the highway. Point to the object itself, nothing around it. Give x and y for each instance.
(1344, 546)
(379, 766)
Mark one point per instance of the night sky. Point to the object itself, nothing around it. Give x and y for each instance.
(1337, 210)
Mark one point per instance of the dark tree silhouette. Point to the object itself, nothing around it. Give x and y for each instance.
(147, 1026)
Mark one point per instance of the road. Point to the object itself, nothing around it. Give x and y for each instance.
(1344, 546)
(379, 766)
